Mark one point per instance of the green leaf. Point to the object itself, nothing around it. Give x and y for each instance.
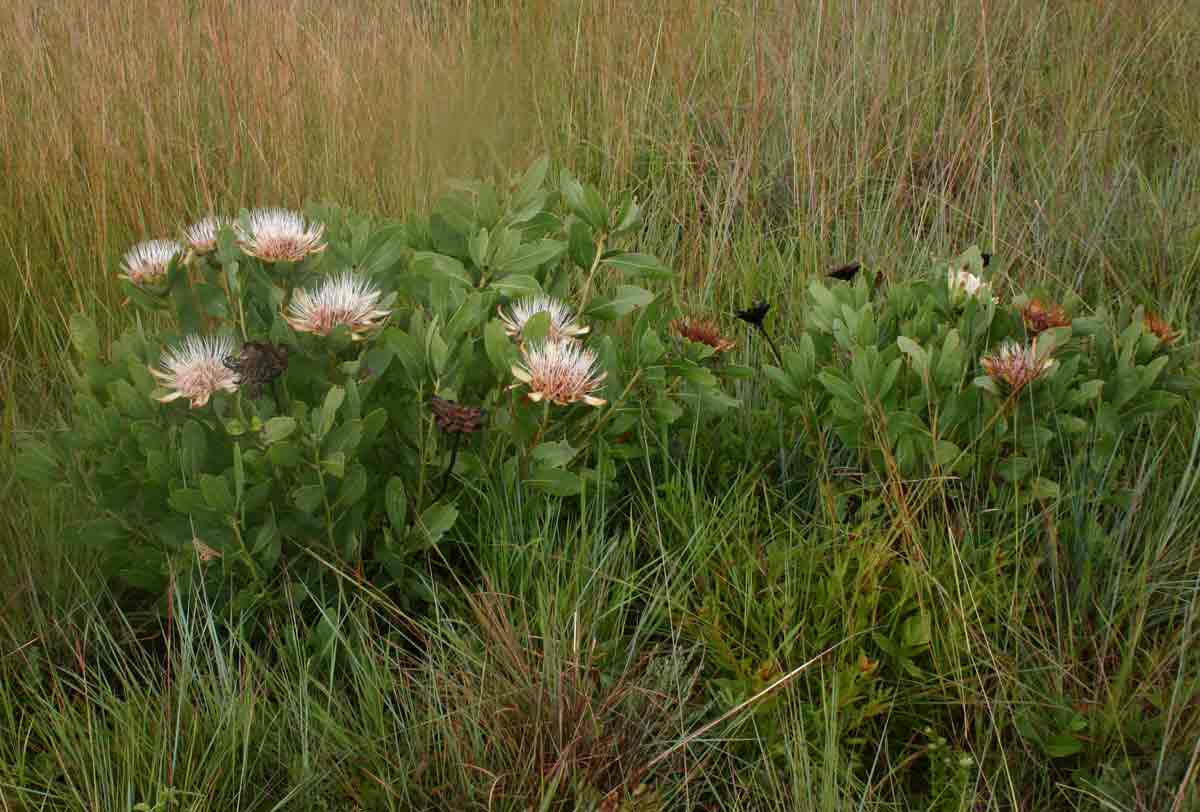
(335, 464)
(554, 454)
(437, 520)
(531, 182)
(1062, 745)
(277, 429)
(439, 266)
(916, 354)
(344, 438)
(329, 409)
(389, 245)
(555, 481)
(581, 244)
(1045, 489)
(516, 285)
(532, 255)
(195, 448)
(627, 299)
(284, 455)
(499, 348)
(397, 503)
(37, 462)
(354, 486)
(85, 338)
(650, 348)
(187, 500)
(639, 266)
(469, 315)
(308, 498)
(267, 545)
(216, 493)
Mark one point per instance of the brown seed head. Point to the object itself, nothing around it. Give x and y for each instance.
(1165, 332)
(703, 331)
(455, 418)
(1040, 316)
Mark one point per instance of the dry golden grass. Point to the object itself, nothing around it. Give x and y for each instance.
(1063, 138)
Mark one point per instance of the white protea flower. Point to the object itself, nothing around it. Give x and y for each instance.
(196, 370)
(964, 284)
(280, 235)
(1017, 365)
(147, 262)
(561, 372)
(201, 236)
(562, 319)
(345, 299)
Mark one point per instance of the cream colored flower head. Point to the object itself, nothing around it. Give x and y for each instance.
(201, 236)
(196, 370)
(964, 284)
(1017, 365)
(561, 372)
(562, 320)
(147, 262)
(345, 299)
(279, 235)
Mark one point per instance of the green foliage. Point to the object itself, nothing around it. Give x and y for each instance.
(339, 465)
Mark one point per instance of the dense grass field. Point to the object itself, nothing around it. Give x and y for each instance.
(616, 657)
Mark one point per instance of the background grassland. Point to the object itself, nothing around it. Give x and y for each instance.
(768, 140)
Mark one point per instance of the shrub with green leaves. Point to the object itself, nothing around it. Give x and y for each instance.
(935, 376)
(308, 396)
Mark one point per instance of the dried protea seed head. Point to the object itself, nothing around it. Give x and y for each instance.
(1017, 365)
(455, 418)
(1040, 316)
(703, 331)
(1165, 332)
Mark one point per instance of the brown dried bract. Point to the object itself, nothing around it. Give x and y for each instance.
(1040, 316)
(703, 331)
(1165, 332)
(455, 418)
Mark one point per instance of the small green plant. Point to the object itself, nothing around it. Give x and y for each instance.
(323, 383)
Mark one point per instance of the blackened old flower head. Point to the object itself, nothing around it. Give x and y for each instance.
(1018, 365)
(195, 370)
(561, 372)
(703, 331)
(455, 418)
(147, 262)
(201, 236)
(754, 314)
(1165, 332)
(1039, 317)
(346, 299)
(562, 321)
(279, 235)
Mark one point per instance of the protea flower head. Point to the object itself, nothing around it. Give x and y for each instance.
(703, 331)
(344, 299)
(561, 372)
(195, 369)
(562, 320)
(201, 236)
(964, 284)
(455, 418)
(1018, 365)
(280, 235)
(147, 262)
(1040, 317)
(1165, 332)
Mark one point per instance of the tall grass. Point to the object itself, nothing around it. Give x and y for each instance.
(768, 139)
